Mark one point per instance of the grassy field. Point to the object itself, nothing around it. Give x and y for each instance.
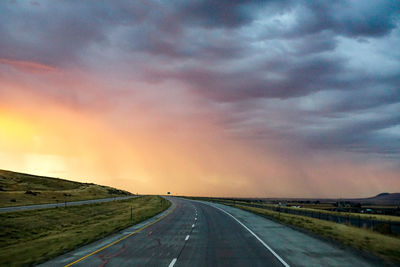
(383, 246)
(35, 236)
(350, 214)
(17, 189)
(345, 214)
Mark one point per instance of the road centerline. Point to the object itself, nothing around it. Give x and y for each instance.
(123, 238)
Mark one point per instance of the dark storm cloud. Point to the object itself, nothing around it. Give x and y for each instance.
(350, 18)
(295, 53)
(60, 32)
(362, 100)
(365, 136)
(217, 13)
(225, 13)
(40, 33)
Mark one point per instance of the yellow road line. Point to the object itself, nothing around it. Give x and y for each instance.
(128, 235)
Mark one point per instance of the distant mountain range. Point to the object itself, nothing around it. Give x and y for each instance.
(382, 198)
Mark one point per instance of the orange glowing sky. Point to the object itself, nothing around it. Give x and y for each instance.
(195, 110)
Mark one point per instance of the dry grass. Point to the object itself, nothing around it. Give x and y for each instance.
(383, 246)
(39, 235)
(345, 214)
(317, 210)
(14, 189)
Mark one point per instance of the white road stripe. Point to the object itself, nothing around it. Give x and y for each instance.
(195, 219)
(192, 225)
(259, 239)
(187, 237)
(172, 262)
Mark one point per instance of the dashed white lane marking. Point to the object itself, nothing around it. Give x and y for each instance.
(259, 239)
(187, 237)
(192, 225)
(195, 219)
(172, 262)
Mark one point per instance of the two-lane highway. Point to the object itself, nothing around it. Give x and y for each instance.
(219, 240)
(196, 233)
(63, 204)
(193, 234)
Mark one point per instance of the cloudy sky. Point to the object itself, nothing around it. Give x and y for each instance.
(223, 98)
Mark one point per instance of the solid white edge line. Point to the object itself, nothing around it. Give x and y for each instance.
(259, 239)
(172, 262)
(187, 237)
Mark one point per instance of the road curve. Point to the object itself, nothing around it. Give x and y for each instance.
(194, 233)
(61, 204)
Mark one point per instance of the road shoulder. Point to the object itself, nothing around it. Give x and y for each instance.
(296, 247)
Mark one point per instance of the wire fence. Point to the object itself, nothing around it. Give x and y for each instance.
(382, 226)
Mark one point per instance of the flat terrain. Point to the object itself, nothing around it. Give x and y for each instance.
(28, 237)
(206, 234)
(350, 214)
(18, 189)
(317, 208)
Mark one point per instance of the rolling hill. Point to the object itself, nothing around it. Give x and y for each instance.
(18, 189)
(381, 199)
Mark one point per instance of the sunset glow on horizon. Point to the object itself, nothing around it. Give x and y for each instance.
(268, 101)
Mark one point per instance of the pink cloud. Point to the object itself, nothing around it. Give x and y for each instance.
(28, 66)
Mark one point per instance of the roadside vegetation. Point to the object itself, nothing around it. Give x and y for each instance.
(30, 237)
(322, 211)
(383, 246)
(18, 189)
(350, 214)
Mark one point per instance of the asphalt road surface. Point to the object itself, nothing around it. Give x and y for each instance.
(61, 204)
(194, 233)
